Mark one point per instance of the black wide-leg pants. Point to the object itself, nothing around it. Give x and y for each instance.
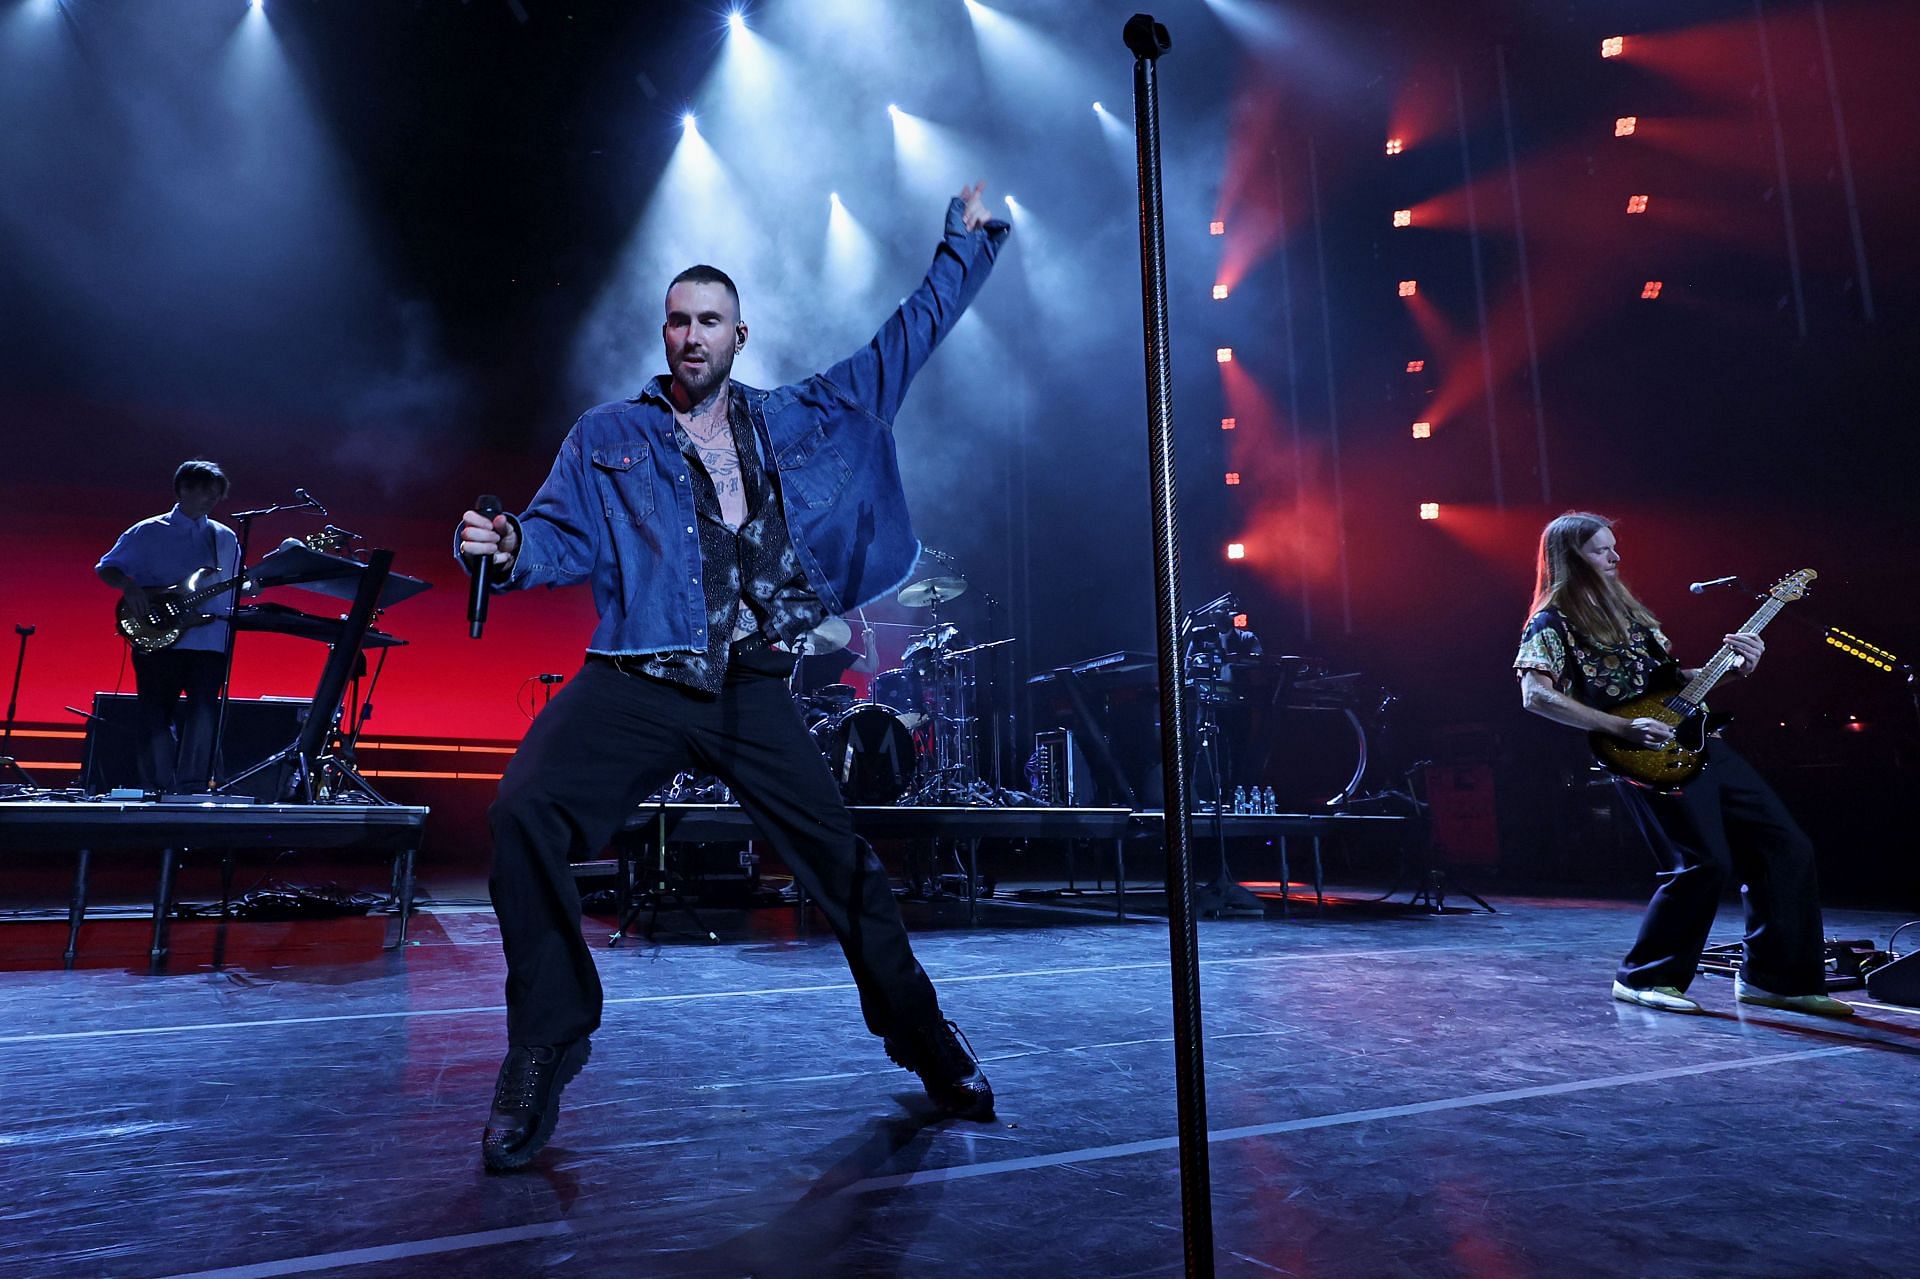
(1727, 822)
(607, 741)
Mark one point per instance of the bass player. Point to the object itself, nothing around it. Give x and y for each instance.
(176, 737)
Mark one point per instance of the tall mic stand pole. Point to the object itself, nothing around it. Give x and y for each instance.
(245, 520)
(1148, 40)
(8, 764)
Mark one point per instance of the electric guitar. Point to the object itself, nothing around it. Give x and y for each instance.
(170, 611)
(1668, 768)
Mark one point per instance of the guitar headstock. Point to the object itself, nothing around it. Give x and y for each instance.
(327, 539)
(1793, 586)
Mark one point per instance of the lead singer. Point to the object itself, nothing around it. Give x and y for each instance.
(717, 524)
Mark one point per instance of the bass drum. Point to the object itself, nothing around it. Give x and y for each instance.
(869, 751)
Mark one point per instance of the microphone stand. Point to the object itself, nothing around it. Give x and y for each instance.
(1148, 40)
(245, 520)
(8, 764)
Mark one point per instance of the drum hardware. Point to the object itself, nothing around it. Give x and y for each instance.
(689, 787)
(870, 752)
(1205, 656)
(911, 740)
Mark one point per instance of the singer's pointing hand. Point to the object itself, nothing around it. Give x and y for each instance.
(496, 538)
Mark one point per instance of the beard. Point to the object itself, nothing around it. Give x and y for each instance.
(697, 381)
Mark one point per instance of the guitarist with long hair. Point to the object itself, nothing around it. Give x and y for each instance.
(161, 552)
(1590, 647)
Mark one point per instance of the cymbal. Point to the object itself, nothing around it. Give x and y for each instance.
(929, 589)
(830, 636)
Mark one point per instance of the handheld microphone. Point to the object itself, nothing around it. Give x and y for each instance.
(1701, 588)
(480, 566)
(311, 501)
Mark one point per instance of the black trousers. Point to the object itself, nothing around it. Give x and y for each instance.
(1727, 822)
(607, 741)
(177, 737)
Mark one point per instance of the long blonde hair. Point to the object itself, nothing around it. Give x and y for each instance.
(1598, 606)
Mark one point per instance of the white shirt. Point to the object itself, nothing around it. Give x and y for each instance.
(161, 551)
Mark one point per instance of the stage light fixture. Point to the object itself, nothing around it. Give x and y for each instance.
(689, 122)
(1239, 621)
(1395, 146)
(1423, 430)
(1233, 477)
(1625, 125)
(1216, 228)
(1236, 550)
(1223, 355)
(1637, 203)
(1613, 46)
(1098, 109)
(736, 21)
(1219, 293)
(1650, 290)
(1228, 423)
(1429, 510)
(1416, 366)
(1854, 646)
(1409, 287)
(1403, 217)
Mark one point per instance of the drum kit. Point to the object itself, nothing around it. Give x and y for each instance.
(913, 740)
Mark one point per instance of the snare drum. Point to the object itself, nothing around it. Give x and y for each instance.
(869, 751)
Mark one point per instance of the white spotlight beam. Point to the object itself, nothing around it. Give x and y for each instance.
(931, 158)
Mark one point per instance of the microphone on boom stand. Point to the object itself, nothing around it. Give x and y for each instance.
(480, 566)
(1701, 588)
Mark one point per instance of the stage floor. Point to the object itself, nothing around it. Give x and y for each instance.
(1389, 1094)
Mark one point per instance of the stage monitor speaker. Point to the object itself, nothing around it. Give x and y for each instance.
(256, 728)
(1897, 982)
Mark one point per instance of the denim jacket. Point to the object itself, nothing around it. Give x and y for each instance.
(617, 509)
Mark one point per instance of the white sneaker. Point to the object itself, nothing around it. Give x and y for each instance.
(1667, 999)
(1819, 1005)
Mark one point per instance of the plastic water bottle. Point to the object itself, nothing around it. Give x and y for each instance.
(1270, 801)
(1239, 799)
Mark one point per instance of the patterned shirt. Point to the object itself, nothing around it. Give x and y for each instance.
(1601, 675)
(752, 576)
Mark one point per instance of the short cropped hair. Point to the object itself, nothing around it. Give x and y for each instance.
(199, 470)
(701, 273)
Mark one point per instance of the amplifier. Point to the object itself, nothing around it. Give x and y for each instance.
(256, 728)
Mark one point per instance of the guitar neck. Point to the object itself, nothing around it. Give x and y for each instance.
(1724, 661)
(208, 592)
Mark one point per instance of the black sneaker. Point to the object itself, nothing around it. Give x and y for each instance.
(943, 1059)
(526, 1101)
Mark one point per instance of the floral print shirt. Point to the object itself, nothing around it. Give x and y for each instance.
(1601, 675)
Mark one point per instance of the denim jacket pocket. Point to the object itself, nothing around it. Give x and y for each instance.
(624, 480)
(812, 471)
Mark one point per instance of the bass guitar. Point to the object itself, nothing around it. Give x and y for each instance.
(171, 611)
(1667, 768)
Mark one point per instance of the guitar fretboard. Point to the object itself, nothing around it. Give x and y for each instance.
(1723, 662)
